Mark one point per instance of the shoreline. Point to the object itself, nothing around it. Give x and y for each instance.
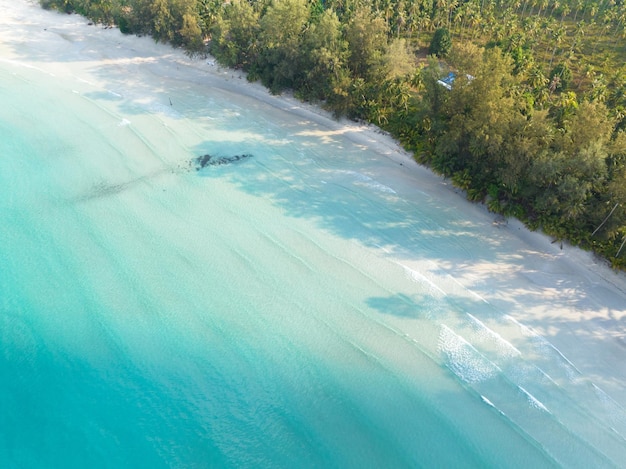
(541, 269)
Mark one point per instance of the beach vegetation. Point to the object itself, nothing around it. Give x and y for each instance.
(234, 35)
(282, 27)
(532, 121)
(441, 43)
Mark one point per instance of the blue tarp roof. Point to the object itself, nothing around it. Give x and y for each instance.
(449, 80)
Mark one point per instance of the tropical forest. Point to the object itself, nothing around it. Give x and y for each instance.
(520, 103)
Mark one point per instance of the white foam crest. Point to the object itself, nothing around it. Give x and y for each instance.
(533, 401)
(463, 359)
(546, 346)
(615, 412)
(503, 346)
(358, 176)
(381, 187)
(368, 181)
(123, 123)
(491, 404)
(472, 292)
(420, 278)
(521, 371)
(570, 365)
(547, 376)
(82, 80)
(617, 433)
(25, 65)
(487, 401)
(526, 331)
(385, 250)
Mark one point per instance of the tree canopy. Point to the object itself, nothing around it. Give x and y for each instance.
(441, 43)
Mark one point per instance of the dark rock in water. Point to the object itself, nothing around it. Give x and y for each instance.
(212, 160)
(202, 161)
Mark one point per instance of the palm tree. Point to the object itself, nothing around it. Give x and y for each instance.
(598, 89)
(593, 9)
(423, 22)
(452, 6)
(387, 9)
(475, 19)
(576, 5)
(620, 16)
(537, 79)
(557, 35)
(565, 10)
(440, 13)
(588, 72)
(413, 12)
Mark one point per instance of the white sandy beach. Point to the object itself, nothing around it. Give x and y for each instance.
(560, 293)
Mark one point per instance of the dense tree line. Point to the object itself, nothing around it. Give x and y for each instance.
(533, 122)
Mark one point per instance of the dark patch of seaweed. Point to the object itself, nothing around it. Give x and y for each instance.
(211, 160)
(103, 189)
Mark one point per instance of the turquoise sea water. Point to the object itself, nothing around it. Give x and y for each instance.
(294, 309)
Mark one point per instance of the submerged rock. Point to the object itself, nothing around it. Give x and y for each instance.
(212, 160)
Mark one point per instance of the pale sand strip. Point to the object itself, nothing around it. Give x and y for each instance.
(564, 294)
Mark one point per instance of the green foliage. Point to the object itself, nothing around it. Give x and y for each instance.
(399, 59)
(462, 179)
(163, 28)
(208, 12)
(191, 35)
(324, 55)
(66, 6)
(441, 43)
(481, 121)
(234, 35)
(366, 34)
(281, 30)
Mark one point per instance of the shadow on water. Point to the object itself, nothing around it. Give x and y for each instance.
(399, 304)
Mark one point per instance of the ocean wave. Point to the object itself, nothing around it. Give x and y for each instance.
(419, 278)
(463, 359)
(491, 404)
(368, 181)
(616, 414)
(546, 349)
(503, 347)
(533, 401)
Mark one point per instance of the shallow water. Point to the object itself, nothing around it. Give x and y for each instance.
(293, 309)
